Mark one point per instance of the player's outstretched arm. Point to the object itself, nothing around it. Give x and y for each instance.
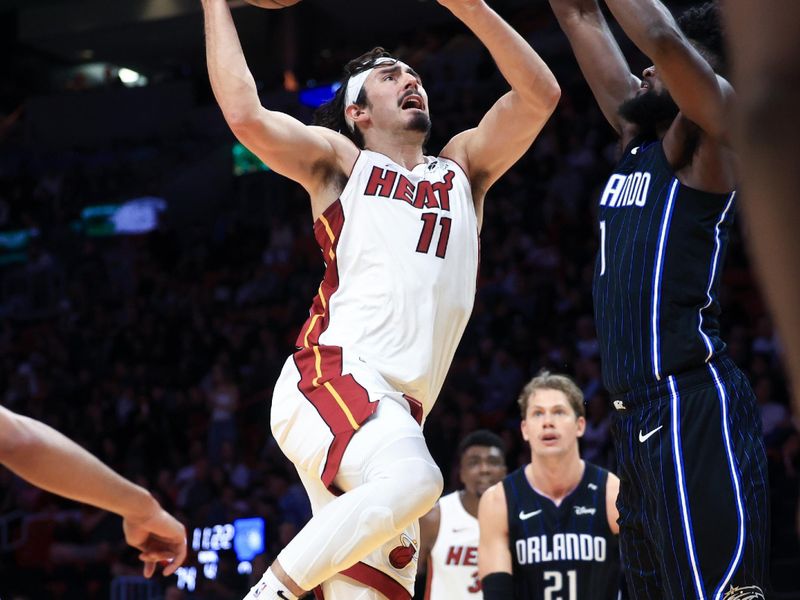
(494, 557)
(304, 154)
(44, 457)
(702, 96)
(601, 61)
(507, 130)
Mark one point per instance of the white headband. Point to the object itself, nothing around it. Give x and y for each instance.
(356, 83)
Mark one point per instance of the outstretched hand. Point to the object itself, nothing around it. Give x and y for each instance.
(161, 539)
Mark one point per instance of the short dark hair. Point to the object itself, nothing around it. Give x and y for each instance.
(481, 437)
(331, 114)
(702, 25)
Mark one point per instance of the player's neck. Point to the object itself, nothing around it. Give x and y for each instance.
(406, 151)
(555, 476)
(469, 502)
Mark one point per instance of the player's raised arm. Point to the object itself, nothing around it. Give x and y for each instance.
(601, 61)
(305, 154)
(702, 96)
(494, 556)
(507, 130)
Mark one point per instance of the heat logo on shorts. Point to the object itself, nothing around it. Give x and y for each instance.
(749, 592)
(400, 556)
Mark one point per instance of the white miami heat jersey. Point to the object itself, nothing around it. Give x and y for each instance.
(453, 562)
(401, 254)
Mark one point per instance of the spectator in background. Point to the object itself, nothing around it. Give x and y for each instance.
(223, 400)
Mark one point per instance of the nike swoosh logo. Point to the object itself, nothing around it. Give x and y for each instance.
(460, 529)
(523, 516)
(644, 437)
(282, 595)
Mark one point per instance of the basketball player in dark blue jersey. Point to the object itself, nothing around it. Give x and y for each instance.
(549, 530)
(693, 498)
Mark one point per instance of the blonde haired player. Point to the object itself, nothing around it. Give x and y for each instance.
(449, 532)
(549, 530)
(399, 236)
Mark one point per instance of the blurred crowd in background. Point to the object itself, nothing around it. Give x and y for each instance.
(158, 352)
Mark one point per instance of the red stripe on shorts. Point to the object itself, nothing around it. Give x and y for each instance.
(339, 399)
(378, 580)
(371, 577)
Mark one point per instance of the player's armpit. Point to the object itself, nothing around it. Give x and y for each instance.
(308, 155)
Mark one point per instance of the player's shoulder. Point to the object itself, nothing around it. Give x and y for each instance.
(599, 472)
(447, 502)
(492, 509)
(612, 484)
(343, 147)
(452, 162)
(433, 515)
(495, 496)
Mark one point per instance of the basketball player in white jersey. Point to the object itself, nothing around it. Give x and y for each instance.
(399, 236)
(449, 532)
(549, 529)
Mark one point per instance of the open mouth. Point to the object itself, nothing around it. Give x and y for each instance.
(412, 101)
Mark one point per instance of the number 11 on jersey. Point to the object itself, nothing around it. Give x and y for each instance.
(425, 238)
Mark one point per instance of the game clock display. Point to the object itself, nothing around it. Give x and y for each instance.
(244, 539)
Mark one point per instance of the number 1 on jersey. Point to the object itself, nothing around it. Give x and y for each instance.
(602, 247)
(428, 227)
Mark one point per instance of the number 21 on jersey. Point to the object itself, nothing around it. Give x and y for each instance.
(554, 585)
